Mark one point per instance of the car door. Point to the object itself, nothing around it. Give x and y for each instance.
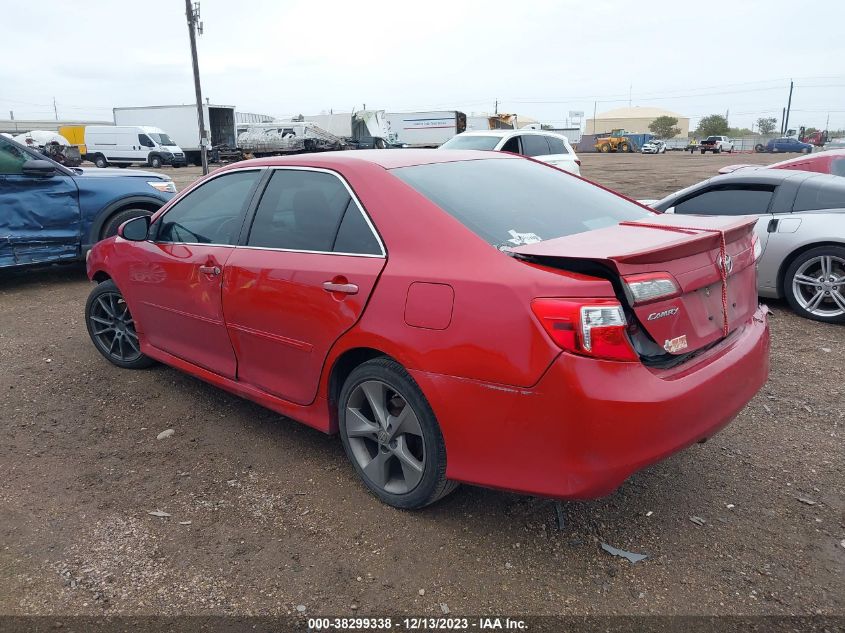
(175, 278)
(40, 219)
(559, 155)
(300, 279)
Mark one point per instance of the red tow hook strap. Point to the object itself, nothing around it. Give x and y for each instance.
(722, 264)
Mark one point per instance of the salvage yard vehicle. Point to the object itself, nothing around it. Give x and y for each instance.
(717, 145)
(616, 141)
(785, 144)
(51, 213)
(455, 316)
(654, 146)
(547, 147)
(124, 145)
(800, 228)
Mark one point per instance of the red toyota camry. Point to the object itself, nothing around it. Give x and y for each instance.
(455, 316)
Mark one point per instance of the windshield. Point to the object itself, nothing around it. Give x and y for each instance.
(471, 142)
(514, 202)
(162, 139)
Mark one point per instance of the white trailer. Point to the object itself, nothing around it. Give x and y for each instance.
(424, 129)
(182, 125)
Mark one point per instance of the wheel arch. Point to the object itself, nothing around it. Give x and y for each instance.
(787, 261)
(100, 276)
(148, 203)
(343, 365)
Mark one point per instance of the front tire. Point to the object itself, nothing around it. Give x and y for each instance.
(155, 161)
(391, 436)
(814, 284)
(624, 147)
(114, 222)
(112, 329)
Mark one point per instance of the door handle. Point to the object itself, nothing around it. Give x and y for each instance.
(210, 270)
(347, 289)
(773, 226)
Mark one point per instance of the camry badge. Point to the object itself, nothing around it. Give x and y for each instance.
(664, 313)
(675, 345)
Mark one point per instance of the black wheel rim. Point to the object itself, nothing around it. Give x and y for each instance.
(385, 437)
(113, 329)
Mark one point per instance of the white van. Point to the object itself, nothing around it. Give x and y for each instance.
(124, 145)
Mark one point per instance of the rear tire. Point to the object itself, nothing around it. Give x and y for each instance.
(100, 161)
(816, 272)
(624, 147)
(604, 148)
(113, 223)
(112, 329)
(391, 436)
(759, 148)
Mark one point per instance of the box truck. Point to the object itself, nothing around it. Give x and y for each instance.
(182, 125)
(424, 129)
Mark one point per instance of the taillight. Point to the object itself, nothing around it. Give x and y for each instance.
(589, 327)
(647, 287)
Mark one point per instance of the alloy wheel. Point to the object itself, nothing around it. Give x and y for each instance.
(819, 286)
(113, 328)
(385, 437)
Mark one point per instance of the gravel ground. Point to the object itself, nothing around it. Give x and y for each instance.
(265, 515)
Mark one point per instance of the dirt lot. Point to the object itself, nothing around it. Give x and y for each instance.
(267, 515)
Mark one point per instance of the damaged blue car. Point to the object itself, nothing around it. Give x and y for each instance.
(50, 213)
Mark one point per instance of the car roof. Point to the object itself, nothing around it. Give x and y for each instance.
(766, 176)
(386, 158)
(504, 133)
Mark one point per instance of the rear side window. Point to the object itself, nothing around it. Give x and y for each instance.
(837, 167)
(512, 145)
(556, 145)
(535, 145)
(462, 141)
(820, 193)
(747, 200)
(355, 235)
(299, 210)
(509, 202)
(211, 213)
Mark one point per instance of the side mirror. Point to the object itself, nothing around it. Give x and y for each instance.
(38, 168)
(136, 229)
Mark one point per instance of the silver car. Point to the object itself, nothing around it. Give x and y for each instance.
(801, 228)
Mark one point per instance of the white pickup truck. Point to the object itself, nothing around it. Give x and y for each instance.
(717, 145)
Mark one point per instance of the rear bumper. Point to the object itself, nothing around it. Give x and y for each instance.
(587, 425)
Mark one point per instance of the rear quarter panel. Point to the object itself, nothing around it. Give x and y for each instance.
(783, 246)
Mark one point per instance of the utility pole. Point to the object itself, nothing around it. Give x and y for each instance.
(782, 121)
(194, 26)
(55, 110)
(12, 115)
(788, 107)
(496, 107)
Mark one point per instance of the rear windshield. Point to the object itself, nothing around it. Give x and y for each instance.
(471, 142)
(514, 202)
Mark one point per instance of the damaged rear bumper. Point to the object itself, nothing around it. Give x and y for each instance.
(588, 424)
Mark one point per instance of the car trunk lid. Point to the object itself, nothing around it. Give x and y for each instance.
(686, 249)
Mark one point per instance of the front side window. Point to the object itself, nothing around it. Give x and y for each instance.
(145, 140)
(163, 139)
(12, 158)
(512, 145)
(309, 211)
(728, 200)
(210, 214)
(535, 145)
(515, 201)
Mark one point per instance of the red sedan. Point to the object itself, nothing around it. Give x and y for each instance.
(831, 161)
(454, 316)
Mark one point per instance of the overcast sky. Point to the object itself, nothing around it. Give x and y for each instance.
(539, 59)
